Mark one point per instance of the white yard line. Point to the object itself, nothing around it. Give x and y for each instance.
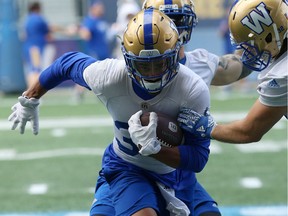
(215, 148)
(264, 211)
(251, 182)
(37, 189)
(89, 121)
(67, 122)
(264, 146)
(11, 154)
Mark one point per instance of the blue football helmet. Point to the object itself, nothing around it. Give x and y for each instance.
(150, 48)
(259, 27)
(180, 11)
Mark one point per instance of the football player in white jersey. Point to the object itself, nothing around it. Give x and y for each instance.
(150, 80)
(259, 27)
(214, 70)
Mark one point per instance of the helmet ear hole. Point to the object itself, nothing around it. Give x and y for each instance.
(234, 15)
(268, 38)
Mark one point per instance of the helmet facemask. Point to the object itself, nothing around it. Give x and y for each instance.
(252, 57)
(181, 12)
(152, 73)
(150, 49)
(184, 18)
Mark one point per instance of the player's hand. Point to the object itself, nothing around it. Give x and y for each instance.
(195, 123)
(25, 110)
(144, 136)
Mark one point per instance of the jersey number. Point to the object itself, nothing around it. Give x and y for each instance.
(126, 145)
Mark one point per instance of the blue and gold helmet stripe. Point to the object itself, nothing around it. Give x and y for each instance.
(169, 2)
(148, 29)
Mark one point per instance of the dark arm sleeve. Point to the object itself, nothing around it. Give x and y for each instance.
(194, 155)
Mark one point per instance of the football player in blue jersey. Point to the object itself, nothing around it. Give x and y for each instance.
(93, 31)
(150, 79)
(259, 28)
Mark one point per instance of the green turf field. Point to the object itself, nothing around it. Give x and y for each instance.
(57, 169)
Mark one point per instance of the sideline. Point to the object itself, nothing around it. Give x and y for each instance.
(280, 210)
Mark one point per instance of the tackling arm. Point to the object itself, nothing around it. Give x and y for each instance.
(258, 121)
(230, 69)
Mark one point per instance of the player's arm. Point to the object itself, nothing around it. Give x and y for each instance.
(69, 66)
(258, 121)
(35, 91)
(85, 33)
(230, 69)
(193, 155)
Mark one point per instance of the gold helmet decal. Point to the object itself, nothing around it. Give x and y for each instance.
(261, 23)
(148, 31)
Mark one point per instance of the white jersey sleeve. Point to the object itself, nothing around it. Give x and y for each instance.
(273, 81)
(202, 63)
(106, 77)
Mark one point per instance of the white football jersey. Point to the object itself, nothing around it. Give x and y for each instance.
(202, 63)
(273, 81)
(109, 80)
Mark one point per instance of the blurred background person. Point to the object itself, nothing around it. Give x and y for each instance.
(247, 84)
(37, 33)
(126, 9)
(94, 32)
(225, 32)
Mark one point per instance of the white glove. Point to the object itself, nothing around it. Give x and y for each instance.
(144, 136)
(25, 110)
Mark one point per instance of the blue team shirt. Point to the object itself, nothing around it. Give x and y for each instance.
(98, 45)
(36, 29)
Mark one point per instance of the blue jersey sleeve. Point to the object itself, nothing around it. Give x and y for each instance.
(194, 155)
(69, 66)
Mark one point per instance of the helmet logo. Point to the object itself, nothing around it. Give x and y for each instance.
(146, 53)
(258, 17)
(168, 6)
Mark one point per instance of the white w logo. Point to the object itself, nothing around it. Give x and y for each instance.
(257, 19)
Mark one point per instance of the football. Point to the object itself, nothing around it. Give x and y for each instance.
(168, 130)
